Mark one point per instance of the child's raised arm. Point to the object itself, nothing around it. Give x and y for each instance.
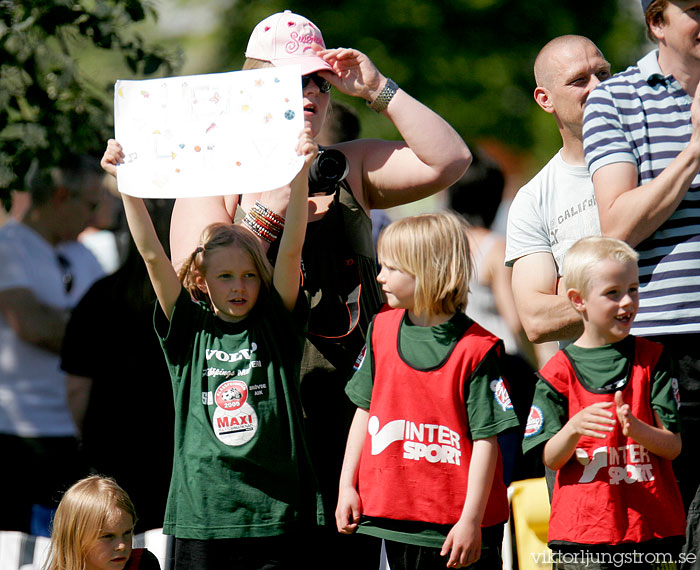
(591, 421)
(656, 439)
(288, 264)
(163, 277)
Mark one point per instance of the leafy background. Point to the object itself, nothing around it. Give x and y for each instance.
(469, 60)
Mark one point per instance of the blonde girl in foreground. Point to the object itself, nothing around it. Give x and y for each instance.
(430, 395)
(93, 529)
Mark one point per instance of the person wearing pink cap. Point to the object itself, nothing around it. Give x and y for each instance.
(339, 262)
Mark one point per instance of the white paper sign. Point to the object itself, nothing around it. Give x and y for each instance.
(209, 135)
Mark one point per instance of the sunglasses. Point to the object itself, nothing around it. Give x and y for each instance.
(66, 274)
(323, 85)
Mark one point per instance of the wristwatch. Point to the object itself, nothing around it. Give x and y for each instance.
(385, 95)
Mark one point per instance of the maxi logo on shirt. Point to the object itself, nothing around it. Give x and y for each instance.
(434, 443)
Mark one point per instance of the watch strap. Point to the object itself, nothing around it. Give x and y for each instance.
(381, 102)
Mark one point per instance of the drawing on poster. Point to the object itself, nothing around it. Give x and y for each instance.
(209, 135)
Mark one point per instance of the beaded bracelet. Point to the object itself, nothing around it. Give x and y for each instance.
(260, 231)
(268, 214)
(266, 222)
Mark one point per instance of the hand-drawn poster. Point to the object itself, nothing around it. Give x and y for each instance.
(209, 135)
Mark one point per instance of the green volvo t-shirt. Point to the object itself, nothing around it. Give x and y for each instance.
(241, 467)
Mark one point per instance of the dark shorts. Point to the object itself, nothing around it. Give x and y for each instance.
(411, 557)
(662, 554)
(269, 553)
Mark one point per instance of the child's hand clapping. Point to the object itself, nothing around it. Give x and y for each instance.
(593, 420)
(624, 414)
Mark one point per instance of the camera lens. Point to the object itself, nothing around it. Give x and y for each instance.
(328, 169)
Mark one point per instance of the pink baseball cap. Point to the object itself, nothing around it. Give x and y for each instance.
(286, 38)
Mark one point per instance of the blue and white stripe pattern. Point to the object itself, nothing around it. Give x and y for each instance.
(643, 117)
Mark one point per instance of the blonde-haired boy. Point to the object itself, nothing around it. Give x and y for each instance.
(606, 410)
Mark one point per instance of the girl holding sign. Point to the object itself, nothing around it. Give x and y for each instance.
(338, 257)
(242, 489)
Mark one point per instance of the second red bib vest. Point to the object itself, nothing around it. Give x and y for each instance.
(613, 490)
(415, 461)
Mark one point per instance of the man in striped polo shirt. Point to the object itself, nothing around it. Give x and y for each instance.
(642, 143)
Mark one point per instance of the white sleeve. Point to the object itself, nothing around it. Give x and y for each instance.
(527, 230)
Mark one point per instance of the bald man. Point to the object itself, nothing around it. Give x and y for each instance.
(557, 207)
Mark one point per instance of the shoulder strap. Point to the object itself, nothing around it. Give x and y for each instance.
(556, 372)
(647, 352)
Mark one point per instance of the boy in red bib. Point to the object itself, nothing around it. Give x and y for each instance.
(607, 408)
(430, 395)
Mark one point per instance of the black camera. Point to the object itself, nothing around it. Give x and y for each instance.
(329, 168)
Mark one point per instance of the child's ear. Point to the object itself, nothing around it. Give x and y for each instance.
(576, 299)
(200, 282)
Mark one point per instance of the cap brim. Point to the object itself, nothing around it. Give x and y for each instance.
(308, 63)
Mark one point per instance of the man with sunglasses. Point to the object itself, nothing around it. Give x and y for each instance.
(44, 273)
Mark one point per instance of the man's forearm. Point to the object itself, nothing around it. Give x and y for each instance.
(633, 213)
(33, 321)
(549, 317)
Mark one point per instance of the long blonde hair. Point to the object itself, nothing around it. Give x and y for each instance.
(80, 517)
(223, 235)
(434, 249)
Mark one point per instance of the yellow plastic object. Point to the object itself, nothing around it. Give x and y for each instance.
(530, 507)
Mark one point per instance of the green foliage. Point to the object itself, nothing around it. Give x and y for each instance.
(49, 108)
(469, 60)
